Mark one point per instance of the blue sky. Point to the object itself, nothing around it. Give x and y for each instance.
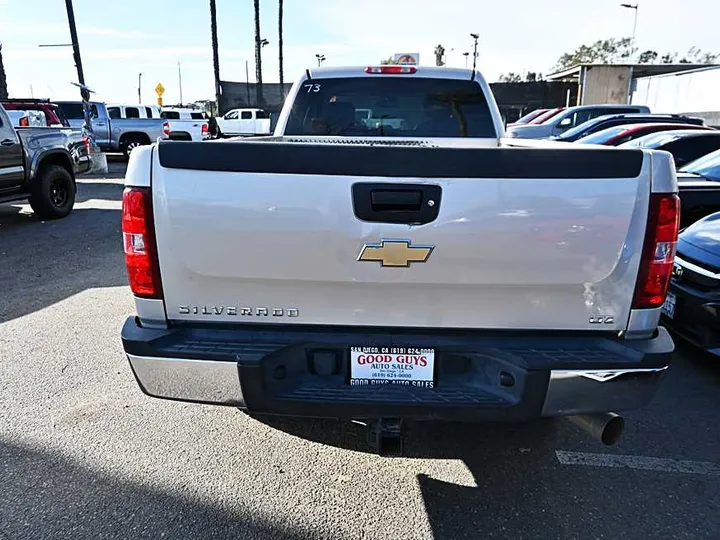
(151, 36)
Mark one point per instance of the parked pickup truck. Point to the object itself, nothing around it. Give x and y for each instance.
(186, 124)
(242, 122)
(40, 164)
(115, 134)
(439, 273)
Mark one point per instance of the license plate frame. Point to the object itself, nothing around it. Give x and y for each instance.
(669, 306)
(401, 366)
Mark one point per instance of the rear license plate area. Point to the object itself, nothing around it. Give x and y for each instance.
(403, 366)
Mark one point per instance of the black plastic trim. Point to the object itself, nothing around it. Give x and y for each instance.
(383, 161)
(379, 202)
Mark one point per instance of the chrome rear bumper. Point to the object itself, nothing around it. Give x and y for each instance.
(586, 392)
(569, 392)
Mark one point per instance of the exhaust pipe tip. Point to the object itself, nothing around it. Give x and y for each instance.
(607, 428)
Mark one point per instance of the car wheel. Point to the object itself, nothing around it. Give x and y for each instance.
(130, 144)
(53, 193)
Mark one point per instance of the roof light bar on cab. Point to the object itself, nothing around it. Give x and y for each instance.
(391, 70)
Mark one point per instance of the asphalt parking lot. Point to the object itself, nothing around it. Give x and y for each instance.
(84, 454)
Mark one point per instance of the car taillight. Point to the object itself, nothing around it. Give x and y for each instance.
(658, 251)
(24, 122)
(166, 129)
(391, 70)
(86, 144)
(204, 129)
(139, 243)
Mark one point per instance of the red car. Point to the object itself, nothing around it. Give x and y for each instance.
(53, 115)
(627, 132)
(529, 117)
(547, 115)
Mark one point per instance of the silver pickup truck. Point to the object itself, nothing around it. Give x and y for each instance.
(116, 134)
(433, 272)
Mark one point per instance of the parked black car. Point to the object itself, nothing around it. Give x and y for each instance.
(611, 120)
(684, 145)
(692, 307)
(699, 183)
(40, 164)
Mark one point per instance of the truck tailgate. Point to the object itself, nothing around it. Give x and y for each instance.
(517, 238)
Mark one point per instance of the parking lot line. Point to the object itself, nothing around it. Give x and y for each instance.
(638, 462)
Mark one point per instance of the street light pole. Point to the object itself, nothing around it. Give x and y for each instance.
(139, 88)
(475, 38)
(320, 58)
(466, 55)
(635, 18)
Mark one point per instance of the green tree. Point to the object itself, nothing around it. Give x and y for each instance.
(3, 78)
(387, 61)
(603, 51)
(510, 78)
(439, 55)
(613, 51)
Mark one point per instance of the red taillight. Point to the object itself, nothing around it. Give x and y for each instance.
(204, 129)
(166, 129)
(658, 251)
(139, 243)
(24, 122)
(391, 69)
(86, 144)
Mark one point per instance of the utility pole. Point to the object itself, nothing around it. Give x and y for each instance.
(475, 38)
(216, 60)
(84, 92)
(139, 88)
(180, 83)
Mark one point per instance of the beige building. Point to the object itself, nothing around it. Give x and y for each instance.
(612, 83)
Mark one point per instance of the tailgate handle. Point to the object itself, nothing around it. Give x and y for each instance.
(399, 201)
(385, 202)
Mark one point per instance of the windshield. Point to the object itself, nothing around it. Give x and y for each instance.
(601, 137)
(706, 166)
(398, 106)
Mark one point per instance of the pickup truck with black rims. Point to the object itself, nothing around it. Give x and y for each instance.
(434, 271)
(39, 165)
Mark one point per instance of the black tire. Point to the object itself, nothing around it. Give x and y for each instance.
(129, 143)
(53, 193)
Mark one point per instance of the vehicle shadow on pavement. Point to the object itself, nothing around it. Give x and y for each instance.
(44, 262)
(523, 491)
(44, 495)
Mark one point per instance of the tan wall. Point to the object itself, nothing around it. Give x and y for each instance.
(606, 84)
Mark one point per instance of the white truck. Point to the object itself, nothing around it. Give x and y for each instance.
(186, 124)
(439, 273)
(243, 122)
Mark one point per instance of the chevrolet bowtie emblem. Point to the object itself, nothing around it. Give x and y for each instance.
(395, 253)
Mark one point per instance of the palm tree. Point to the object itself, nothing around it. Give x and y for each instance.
(280, 43)
(3, 79)
(216, 60)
